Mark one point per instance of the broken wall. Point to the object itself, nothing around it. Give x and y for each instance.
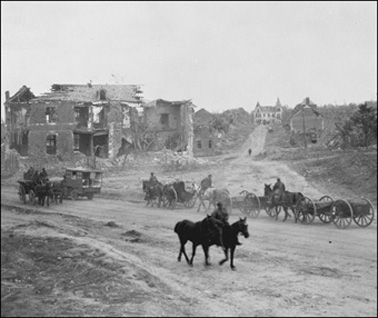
(115, 119)
(204, 135)
(153, 116)
(62, 128)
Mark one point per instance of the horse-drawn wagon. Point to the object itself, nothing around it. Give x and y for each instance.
(340, 212)
(176, 192)
(248, 204)
(27, 188)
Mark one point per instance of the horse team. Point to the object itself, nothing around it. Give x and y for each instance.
(45, 190)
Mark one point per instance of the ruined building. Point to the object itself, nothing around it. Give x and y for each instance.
(168, 124)
(92, 119)
(100, 120)
(205, 134)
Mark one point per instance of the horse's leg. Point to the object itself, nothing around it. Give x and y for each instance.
(226, 259)
(205, 248)
(232, 257)
(277, 211)
(182, 251)
(294, 213)
(194, 246)
(200, 204)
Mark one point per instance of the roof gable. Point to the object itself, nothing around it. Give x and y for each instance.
(24, 94)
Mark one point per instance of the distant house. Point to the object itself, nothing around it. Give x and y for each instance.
(267, 114)
(306, 117)
(202, 116)
(92, 119)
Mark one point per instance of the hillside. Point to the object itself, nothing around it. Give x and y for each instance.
(352, 172)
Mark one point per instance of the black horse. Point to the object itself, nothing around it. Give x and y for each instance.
(287, 200)
(209, 235)
(229, 237)
(42, 193)
(201, 232)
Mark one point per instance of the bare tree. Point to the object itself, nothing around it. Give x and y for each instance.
(364, 120)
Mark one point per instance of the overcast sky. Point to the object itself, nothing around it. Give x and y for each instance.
(222, 55)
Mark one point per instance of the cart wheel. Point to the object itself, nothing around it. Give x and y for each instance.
(364, 218)
(191, 202)
(32, 197)
(252, 205)
(342, 213)
(305, 210)
(22, 194)
(325, 217)
(74, 195)
(170, 198)
(90, 196)
(226, 201)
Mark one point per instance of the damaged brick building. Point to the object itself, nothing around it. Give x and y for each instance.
(92, 119)
(169, 124)
(100, 120)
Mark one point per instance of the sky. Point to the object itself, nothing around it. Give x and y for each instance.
(221, 55)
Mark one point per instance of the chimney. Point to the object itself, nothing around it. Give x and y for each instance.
(6, 96)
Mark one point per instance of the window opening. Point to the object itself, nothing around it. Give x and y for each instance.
(51, 115)
(51, 144)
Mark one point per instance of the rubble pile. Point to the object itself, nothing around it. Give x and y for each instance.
(171, 160)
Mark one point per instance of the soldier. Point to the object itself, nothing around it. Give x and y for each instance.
(221, 214)
(29, 174)
(153, 180)
(280, 187)
(205, 184)
(43, 175)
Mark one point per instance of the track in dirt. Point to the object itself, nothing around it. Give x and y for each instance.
(283, 269)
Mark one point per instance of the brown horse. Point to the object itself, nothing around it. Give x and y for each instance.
(286, 200)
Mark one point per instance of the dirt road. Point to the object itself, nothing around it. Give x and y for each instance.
(282, 269)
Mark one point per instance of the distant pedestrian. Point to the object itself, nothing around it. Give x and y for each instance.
(249, 151)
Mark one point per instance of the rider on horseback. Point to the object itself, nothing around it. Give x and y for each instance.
(153, 180)
(205, 184)
(221, 214)
(280, 187)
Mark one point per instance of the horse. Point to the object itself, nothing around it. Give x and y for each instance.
(42, 192)
(153, 193)
(55, 191)
(213, 195)
(229, 238)
(198, 233)
(288, 200)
